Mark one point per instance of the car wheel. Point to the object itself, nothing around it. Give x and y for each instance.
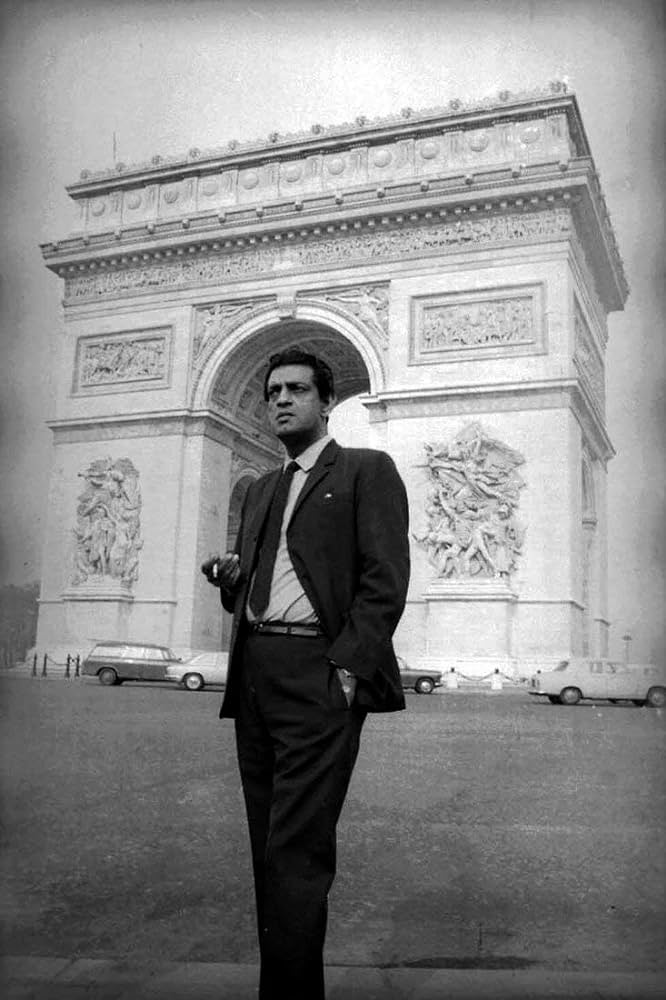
(193, 682)
(570, 696)
(656, 697)
(108, 676)
(554, 699)
(424, 686)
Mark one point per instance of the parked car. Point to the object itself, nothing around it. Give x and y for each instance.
(202, 670)
(418, 679)
(115, 662)
(578, 678)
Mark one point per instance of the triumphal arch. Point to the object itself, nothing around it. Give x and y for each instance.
(456, 268)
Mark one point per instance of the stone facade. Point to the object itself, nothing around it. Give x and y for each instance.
(456, 267)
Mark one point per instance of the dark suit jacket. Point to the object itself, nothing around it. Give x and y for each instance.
(347, 539)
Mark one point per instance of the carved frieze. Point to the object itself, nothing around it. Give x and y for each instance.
(317, 251)
(472, 530)
(476, 324)
(586, 357)
(108, 529)
(368, 303)
(211, 322)
(115, 362)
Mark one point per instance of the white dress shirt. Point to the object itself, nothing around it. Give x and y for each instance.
(288, 601)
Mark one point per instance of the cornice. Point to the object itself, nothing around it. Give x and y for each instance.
(335, 138)
(520, 190)
(179, 423)
(509, 396)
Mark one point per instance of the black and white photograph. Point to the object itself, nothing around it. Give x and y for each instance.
(332, 660)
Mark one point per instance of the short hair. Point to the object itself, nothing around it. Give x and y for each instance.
(321, 372)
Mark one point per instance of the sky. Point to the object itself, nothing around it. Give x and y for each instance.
(88, 84)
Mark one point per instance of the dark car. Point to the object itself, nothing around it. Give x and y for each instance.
(418, 679)
(115, 662)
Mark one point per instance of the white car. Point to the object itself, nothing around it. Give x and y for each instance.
(642, 683)
(202, 670)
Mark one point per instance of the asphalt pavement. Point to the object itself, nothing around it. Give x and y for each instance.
(491, 846)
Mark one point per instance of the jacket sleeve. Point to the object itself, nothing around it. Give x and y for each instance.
(228, 597)
(382, 543)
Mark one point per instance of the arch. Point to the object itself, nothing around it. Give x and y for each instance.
(246, 346)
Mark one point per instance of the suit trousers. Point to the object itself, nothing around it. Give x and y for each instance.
(297, 742)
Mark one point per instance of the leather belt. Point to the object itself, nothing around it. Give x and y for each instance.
(285, 628)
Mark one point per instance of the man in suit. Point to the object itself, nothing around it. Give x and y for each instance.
(317, 584)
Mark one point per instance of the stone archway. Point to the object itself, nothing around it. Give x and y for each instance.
(452, 266)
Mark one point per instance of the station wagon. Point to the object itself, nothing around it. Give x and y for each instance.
(115, 662)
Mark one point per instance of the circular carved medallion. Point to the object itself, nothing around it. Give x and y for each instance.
(381, 158)
(210, 186)
(532, 133)
(250, 179)
(98, 207)
(429, 150)
(336, 165)
(134, 200)
(478, 141)
(293, 172)
(171, 195)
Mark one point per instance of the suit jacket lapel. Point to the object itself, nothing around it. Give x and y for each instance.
(258, 516)
(321, 468)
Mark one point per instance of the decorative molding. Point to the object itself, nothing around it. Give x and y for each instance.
(108, 529)
(472, 531)
(465, 231)
(478, 324)
(588, 361)
(538, 110)
(116, 362)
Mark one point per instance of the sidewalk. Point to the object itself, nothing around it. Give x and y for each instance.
(34, 978)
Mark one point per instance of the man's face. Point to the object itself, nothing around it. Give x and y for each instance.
(295, 412)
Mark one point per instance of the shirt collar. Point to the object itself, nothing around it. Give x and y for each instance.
(307, 459)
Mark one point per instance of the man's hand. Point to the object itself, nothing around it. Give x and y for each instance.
(222, 571)
(348, 682)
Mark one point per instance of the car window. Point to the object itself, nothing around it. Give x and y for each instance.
(106, 651)
(134, 652)
(563, 665)
(596, 667)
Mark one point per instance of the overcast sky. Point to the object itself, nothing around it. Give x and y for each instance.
(167, 75)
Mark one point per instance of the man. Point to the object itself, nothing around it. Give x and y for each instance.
(317, 584)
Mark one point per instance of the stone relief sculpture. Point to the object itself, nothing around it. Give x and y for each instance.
(121, 359)
(474, 324)
(369, 303)
(472, 530)
(108, 526)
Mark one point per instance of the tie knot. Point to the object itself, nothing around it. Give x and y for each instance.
(291, 468)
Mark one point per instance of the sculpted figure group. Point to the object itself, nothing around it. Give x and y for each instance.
(107, 531)
(472, 530)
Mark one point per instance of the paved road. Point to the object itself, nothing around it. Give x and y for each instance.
(482, 831)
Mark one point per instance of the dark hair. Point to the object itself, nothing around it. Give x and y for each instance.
(322, 374)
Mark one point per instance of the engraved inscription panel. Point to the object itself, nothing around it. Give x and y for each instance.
(467, 325)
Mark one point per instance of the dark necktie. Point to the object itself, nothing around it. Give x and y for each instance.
(261, 588)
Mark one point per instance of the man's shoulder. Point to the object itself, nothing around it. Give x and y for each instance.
(365, 456)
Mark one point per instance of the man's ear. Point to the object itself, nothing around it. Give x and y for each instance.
(327, 406)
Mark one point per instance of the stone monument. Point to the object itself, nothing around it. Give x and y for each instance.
(455, 267)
